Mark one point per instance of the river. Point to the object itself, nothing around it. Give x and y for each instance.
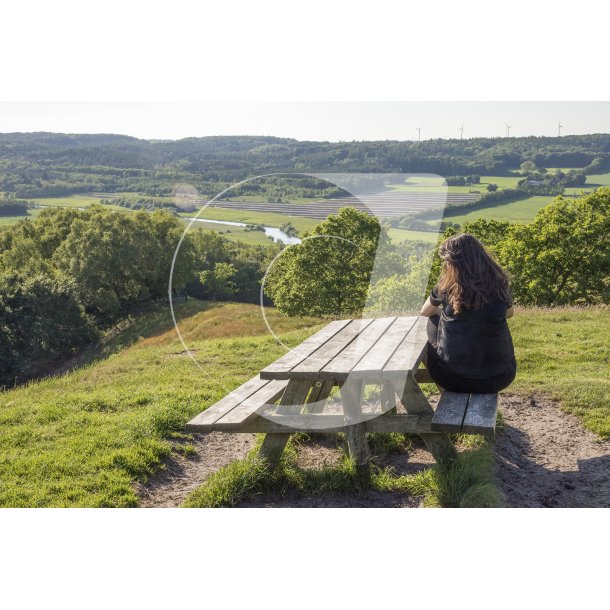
(272, 232)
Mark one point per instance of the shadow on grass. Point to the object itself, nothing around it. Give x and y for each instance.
(143, 322)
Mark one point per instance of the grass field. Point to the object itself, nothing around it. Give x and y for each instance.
(68, 201)
(83, 438)
(565, 352)
(400, 235)
(270, 219)
(11, 220)
(516, 211)
(256, 238)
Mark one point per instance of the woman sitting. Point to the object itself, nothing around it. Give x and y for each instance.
(470, 348)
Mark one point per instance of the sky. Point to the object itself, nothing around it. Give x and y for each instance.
(331, 121)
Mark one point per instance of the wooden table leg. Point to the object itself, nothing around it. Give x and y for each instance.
(388, 398)
(319, 394)
(273, 444)
(416, 403)
(351, 397)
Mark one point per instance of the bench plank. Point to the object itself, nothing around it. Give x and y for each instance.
(450, 412)
(310, 367)
(239, 415)
(481, 414)
(409, 353)
(382, 351)
(229, 402)
(341, 365)
(406, 424)
(281, 367)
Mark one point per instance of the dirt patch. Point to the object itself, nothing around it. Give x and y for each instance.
(181, 475)
(546, 459)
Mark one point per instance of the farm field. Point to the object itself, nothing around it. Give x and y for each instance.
(304, 218)
(11, 220)
(270, 219)
(598, 180)
(255, 238)
(68, 201)
(520, 211)
(400, 235)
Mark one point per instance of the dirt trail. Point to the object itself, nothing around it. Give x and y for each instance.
(544, 458)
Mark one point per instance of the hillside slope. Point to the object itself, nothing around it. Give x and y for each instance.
(83, 438)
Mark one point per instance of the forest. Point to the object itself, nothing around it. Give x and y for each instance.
(69, 274)
(47, 165)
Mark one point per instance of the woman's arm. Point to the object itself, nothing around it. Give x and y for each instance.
(430, 310)
(510, 312)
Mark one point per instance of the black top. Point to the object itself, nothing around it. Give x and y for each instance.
(475, 344)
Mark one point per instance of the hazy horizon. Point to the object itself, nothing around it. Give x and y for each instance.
(308, 121)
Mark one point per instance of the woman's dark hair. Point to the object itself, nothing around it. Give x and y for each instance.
(470, 277)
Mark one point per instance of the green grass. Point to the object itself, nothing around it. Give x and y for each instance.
(565, 353)
(11, 220)
(520, 211)
(400, 235)
(598, 180)
(466, 483)
(270, 219)
(257, 238)
(83, 438)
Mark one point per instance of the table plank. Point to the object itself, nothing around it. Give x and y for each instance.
(341, 365)
(229, 402)
(408, 354)
(382, 351)
(481, 414)
(248, 408)
(310, 367)
(280, 368)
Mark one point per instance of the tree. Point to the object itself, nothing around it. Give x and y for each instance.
(492, 187)
(40, 319)
(218, 282)
(528, 167)
(563, 256)
(329, 272)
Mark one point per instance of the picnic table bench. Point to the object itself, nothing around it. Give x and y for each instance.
(351, 354)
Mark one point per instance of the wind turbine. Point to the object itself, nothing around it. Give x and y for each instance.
(461, 130)
(508, 128)
(559, 126)
(418, 134)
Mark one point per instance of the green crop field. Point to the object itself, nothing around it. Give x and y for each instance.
(598, 180)
(523, 210)
(68, 201)
(11, 220)
(270, 219)
(84, 438)
(256, 238)
(400, 235)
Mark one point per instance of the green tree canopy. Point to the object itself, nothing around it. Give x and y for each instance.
(329, 272)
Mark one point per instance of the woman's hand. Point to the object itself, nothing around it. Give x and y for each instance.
(430, 310)
(510, 312)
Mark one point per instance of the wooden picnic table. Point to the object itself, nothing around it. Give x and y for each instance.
(350, 354)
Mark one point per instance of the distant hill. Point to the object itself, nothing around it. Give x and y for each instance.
(47, 164)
